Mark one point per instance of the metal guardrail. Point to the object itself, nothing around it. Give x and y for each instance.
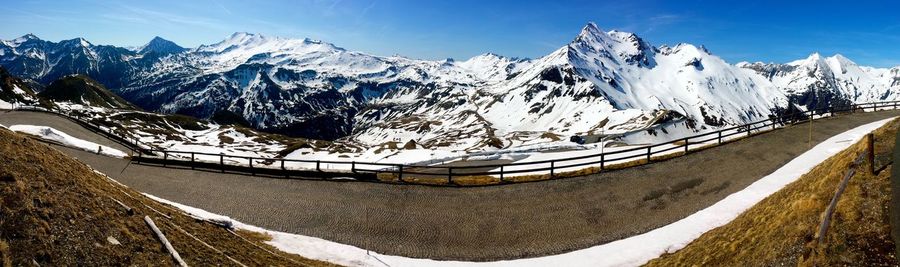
(369, 170)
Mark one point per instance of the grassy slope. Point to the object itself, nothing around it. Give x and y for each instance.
(778, 230)
(55, 211)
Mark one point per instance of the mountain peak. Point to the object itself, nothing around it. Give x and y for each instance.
(814, 56)
(161, 46)
(77, 42)
(590, 32)
(29, 36)
(23, 39)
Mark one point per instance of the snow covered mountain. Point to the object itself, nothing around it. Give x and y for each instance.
(820, 81)
(601, 82)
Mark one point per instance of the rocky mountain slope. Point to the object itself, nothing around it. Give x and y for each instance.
(16, 91)
(82, 90)
(601, 82)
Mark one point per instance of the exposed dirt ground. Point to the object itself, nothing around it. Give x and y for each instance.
(55, 211)
(779, 231)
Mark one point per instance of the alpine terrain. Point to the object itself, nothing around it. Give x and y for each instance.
(602, 82)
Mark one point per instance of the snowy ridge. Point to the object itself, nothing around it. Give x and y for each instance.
(602, 82)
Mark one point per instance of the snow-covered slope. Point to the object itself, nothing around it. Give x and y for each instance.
(601, 82)
(820, 81)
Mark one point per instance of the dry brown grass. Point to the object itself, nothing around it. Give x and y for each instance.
(779, 230)
(55, 211)
(5, 258)
(255, 236)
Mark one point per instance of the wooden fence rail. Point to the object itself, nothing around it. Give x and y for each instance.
(370, 170)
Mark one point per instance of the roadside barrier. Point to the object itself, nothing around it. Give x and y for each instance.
(402, 173)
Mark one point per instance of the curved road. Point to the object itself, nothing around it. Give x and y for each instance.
(481, 223)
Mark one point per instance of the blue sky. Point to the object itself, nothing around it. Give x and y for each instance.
(769, 31)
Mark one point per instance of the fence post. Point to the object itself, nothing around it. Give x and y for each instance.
(450, 175)
(192, 160)
(252, 172)
(648, 154)
(870, 146)
(165, 157)
(282, 164)
(353, 166)
(222, 161)
(720, 137)
(551, 169)
(686, 145)
(400, 168)
(602, 160)
(317, 166)
(501, 173)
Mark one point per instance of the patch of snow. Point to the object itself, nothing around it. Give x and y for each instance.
(49, 133)
(5, 105)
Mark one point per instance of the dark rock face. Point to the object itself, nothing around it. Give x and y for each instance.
(80, 89)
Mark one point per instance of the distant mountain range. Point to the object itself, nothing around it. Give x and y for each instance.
(600, 82)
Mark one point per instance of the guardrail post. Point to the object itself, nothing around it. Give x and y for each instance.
(252, 172)
(686, 145)
(318, 163)
(165, 157)
(353, 166)
(552, 165)
(875, 106)
(648, 154)
(450, 175)
(720, 137)
(400, 174)
(501, 173)
(282, 164)
(192, 160)
(222, 161)
(602, 161)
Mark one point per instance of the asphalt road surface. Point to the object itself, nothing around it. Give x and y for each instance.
(477, 223)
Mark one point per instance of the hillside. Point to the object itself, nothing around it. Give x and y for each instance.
(81, 89)
(14, 90)
(56, 211)
(778, 230)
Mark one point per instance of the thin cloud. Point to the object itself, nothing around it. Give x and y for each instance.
(223, 8)
(174, 19)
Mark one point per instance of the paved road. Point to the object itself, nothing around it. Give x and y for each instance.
(10, 118)
(485, 223)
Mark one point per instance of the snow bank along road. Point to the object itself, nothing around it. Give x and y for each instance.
(482, 223)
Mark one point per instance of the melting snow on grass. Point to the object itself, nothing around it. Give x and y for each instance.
(632, 251)
(51, 134)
